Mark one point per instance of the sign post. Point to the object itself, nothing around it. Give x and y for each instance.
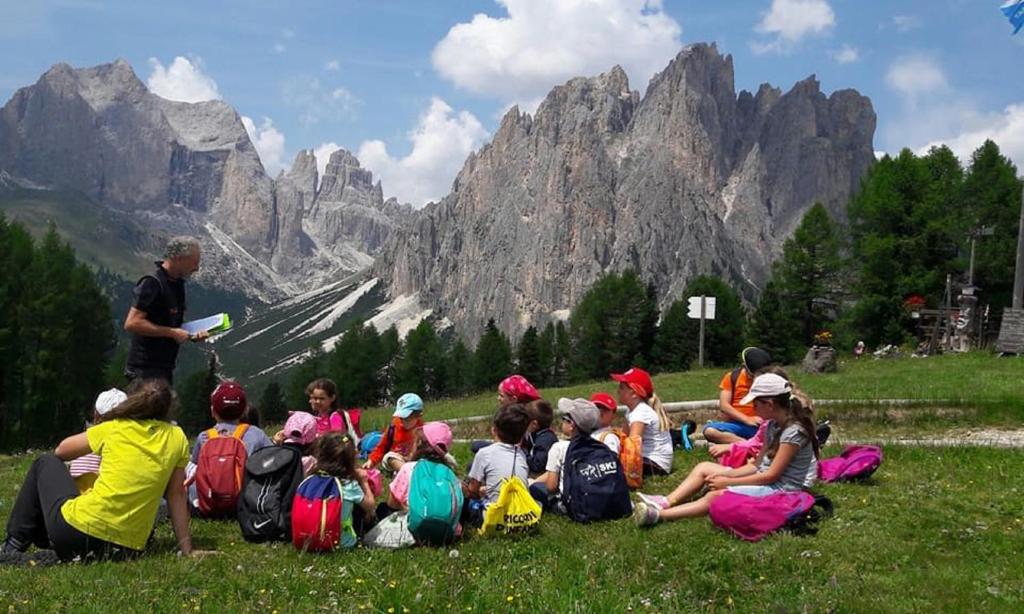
(701, 308)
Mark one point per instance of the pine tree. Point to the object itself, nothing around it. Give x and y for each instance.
(194, 395)
(562, 352)
(673, 344)
(308, 370)
(492, 360)
(390, 350)
(271, 404)
(774, 326)
(528, 356)
(546, 355)
(421, 366)
(810, 273)
(992, 198)
(459, 370)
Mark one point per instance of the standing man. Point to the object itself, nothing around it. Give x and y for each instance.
(155, 318)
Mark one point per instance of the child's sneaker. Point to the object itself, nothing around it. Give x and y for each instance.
(658, 501)
(645, 515)
(823, 430)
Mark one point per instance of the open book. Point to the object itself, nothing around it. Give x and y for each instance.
(212, 325)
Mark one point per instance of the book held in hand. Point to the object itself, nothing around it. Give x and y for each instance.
(211, 325)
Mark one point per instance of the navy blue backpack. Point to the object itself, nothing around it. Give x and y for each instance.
(593, 483)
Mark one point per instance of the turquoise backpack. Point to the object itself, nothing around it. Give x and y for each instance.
(435, 503)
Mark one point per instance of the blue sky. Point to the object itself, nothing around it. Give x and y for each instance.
(413, 86)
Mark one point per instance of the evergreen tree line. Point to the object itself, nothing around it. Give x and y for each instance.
(55, 332)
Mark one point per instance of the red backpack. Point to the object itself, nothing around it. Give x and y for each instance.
(219, 472)
(318, 511)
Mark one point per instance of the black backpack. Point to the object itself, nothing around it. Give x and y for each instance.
(593, 484)
(272, 475)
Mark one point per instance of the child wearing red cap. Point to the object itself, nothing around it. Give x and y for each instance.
(227, 405)
(647, 419)
(608, 407)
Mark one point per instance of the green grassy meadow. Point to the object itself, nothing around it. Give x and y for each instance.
(936, 529)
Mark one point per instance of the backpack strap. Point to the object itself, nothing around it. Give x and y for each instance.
(212, 433)
(604, 436)
(240, 431)
(733, 378)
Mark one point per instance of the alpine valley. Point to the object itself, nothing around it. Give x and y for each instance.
(688, 178)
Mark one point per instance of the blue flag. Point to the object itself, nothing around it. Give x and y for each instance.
(1014, 11)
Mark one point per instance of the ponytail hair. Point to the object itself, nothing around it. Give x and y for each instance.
(335, 455)
(800, 411)
(151, 399)
(659, 408)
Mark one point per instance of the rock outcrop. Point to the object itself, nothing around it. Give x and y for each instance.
(178, 167)
(689, 179)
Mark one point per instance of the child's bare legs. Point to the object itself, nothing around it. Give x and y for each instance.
(714, 435)
(695, 482)
(692, 509)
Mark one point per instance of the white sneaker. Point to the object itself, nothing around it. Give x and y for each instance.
(658, 501)
(645, 515)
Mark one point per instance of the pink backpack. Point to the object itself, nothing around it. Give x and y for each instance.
(855, 463)
(752, 518)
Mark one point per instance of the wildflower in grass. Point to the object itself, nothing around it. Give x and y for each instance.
(510, 598)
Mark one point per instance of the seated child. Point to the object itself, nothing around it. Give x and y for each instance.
(432, 447)
(512, 390)
(501, 460)
(604, 433)
(335, 455)
(300, 432)
(738, 420)
(539, 436)
(788, 461)
(580, 418)
(398, 441)
(227, 405)
(85, 469)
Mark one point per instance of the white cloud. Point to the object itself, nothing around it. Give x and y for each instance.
(184, 80)
(269, 144)
(846, 55)
(332, 65)
(440, 144)
(789, 21)
(1005, 128)
(317, 102)
(914, 75)
(279, 48)
(323, 153)
(519, 57)
(906, 23)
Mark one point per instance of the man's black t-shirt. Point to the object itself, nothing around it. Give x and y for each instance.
(163, 301)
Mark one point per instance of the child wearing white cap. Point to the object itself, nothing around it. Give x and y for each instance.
(85, 469)
(787, 462)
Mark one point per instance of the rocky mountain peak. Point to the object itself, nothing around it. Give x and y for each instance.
(690, 179)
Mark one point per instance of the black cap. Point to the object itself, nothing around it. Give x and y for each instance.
(755, 359)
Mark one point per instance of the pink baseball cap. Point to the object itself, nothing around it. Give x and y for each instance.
(519, 387)
(439, 436)
(300, 428)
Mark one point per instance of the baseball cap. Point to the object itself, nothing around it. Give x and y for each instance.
(300, 428)
(604, 400)
(755, 359)
(519, 387)
(767, 385)
(408, 404)
(583, 413)
(637, 379)
(108, 400)
(439, 436)
(228, 400)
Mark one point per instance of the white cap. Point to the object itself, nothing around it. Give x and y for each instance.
(108, 400)
(766, 385)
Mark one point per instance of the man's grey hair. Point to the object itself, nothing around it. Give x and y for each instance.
(180, 247)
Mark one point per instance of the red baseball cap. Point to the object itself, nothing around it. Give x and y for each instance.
(637, 379)
(604, 401)
(228, 400)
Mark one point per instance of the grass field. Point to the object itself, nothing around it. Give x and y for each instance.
(937, 529)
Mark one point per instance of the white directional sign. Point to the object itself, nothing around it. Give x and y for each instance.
(694, 307)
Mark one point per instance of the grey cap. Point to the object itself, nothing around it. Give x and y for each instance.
(583, 413)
